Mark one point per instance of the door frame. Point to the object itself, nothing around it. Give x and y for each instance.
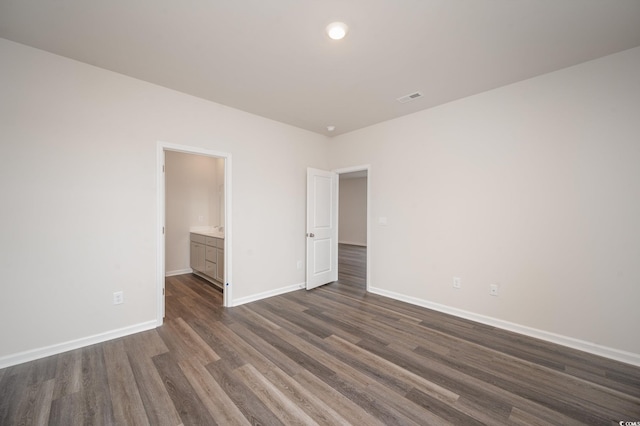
(361, 168)
(161, 212)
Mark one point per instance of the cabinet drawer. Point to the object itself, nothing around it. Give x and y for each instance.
(211, 241)
(210, 255)
(220, 243)
(210, 269)
(198, 238)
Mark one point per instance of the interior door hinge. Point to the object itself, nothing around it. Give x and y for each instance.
(163, 291)
(163, 230)
(163, 168)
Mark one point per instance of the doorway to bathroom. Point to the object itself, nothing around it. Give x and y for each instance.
(194, 193)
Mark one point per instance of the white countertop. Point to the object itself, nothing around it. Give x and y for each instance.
(207, 231)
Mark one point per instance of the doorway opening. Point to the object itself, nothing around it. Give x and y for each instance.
(202, 178)
(353, 226)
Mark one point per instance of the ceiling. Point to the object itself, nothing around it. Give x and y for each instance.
(272, 57)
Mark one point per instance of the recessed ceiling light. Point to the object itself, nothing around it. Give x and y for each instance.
(331, 128)
(337, 30)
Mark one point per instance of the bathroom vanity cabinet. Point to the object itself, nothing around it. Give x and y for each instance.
(207, 257)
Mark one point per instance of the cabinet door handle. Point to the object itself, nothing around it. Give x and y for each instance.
(311, 235)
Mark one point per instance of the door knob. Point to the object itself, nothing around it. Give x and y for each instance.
(311, 235)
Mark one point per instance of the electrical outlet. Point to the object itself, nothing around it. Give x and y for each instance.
(457, 282)
(493, 289)
(118, 297)
(299, 264)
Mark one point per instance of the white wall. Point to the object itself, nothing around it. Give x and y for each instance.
(78, 190)
(534, 186)
(352, 219)
(192, 185)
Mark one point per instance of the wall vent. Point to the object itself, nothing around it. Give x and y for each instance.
(409, 98)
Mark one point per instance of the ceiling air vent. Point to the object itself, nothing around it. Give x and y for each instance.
(409, 98)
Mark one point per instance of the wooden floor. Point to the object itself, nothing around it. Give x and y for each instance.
(334, 355)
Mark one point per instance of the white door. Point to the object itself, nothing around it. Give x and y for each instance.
(322, 227)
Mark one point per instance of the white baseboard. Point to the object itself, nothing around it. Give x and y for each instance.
(266, 294)
(178, 272)
(351, 243)
(33, 354)
(593, 348)
(616, 354)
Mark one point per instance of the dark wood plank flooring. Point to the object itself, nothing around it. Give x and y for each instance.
(334, 355)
